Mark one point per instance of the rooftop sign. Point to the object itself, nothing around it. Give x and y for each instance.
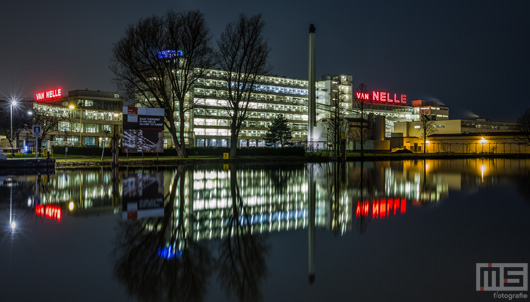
(49, 95)
(168, 54)
(382, 97)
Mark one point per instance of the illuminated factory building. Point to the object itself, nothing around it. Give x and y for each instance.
(88, 114)
(90, 117)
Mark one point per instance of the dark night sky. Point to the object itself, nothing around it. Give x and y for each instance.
(471, 55)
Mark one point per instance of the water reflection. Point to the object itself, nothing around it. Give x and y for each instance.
(181, 272)
(181, 228)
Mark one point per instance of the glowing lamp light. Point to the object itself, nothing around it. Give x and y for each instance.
(14, 103)
(483, 140)
(428, 141)
(71, 107)
(13, 225)
(71, 206)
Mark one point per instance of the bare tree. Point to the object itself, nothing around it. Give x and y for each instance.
(360, 106)
(524, 124)
(336, 124)
(159, 60)
(48, 121)
(243, 54)
(427, 127)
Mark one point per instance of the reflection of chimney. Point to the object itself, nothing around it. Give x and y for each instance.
(311, 100)
(311, 228)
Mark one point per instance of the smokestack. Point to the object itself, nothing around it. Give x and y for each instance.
(311, 100)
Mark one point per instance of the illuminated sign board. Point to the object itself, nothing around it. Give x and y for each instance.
(382, 97)
(49, 95)
(168, 54)
(381, 208)
(49, 211)
(143, 130)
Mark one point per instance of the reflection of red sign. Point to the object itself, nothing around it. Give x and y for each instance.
(49, 95)
(51, 212)
(382, 97)
(381, 208)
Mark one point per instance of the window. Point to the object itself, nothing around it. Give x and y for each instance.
(63, 126)
(91, 141)
(90, 128)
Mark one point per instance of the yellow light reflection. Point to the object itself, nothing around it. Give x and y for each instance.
(482, 170)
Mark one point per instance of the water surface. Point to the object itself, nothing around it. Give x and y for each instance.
(377, 231)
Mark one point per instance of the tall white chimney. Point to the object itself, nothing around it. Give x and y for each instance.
(311, 100)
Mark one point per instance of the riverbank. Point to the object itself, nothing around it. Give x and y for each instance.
(80, 161)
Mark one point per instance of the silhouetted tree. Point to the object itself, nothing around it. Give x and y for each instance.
(278, 131)
(152, 276)
(159, 60)
(524, 123)
(360, 106)
(48, 121)
(243, 53)
(336, 124)
(242, 256)
(427, 128)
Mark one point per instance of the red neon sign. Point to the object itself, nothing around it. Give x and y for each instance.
(382, 97)
(381, 208)
(49, 95)
(51, 212)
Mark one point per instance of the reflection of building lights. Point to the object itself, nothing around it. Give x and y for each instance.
(169, 252)
(428, 141)
(13, 225)
(482, 170)
(381, 208)
(71, 206)
(48, 211)
(483, 140)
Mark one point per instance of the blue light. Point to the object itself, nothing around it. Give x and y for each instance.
(169, 253)
(26, 149)
(170, 53)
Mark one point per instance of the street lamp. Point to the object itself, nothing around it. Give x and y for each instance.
(72, 107)
(13, 103)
